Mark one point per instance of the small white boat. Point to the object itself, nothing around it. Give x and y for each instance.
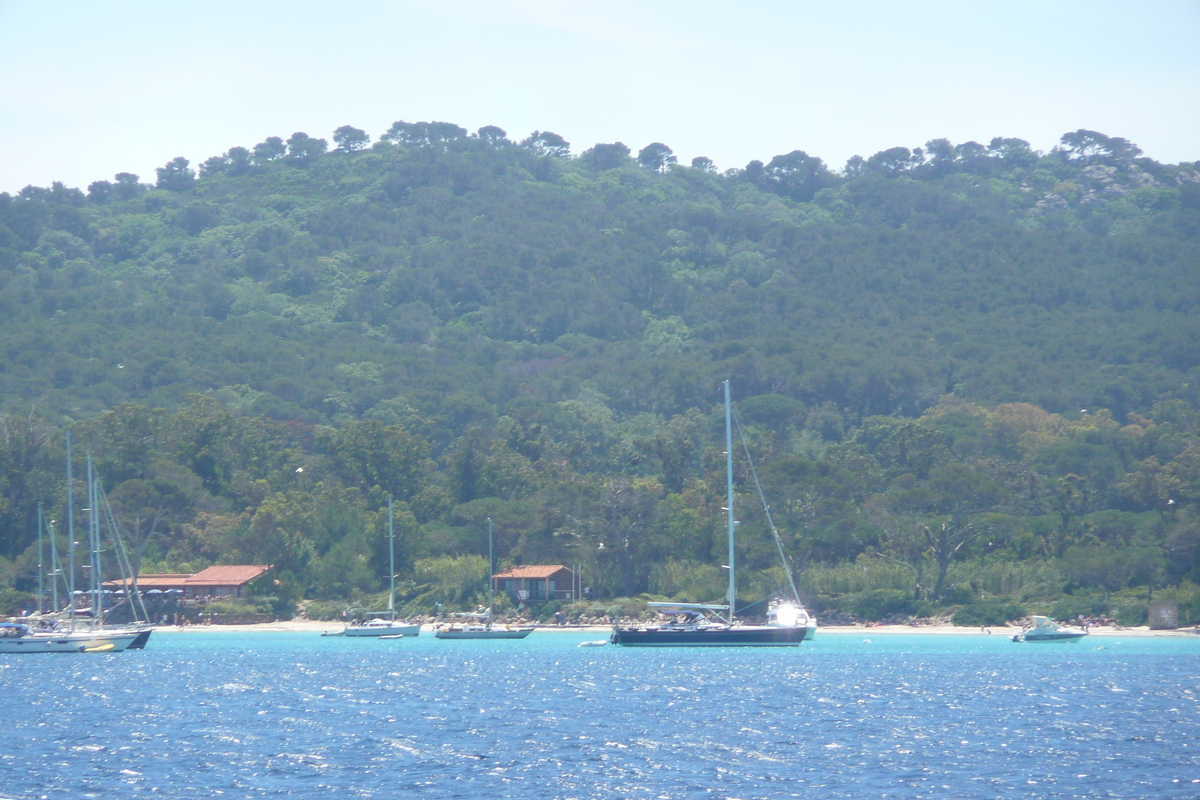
(1045, 629)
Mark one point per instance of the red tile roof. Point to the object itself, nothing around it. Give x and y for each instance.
(232, 575)
(542, 571)
(158, 580)
(235, 574)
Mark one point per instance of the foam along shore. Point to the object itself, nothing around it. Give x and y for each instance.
(314, 626)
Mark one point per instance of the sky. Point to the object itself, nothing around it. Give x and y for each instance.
(89, 89)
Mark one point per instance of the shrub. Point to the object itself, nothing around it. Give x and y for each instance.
(1131, 612)
(994, 611)
(325, 609)
(876, 605)
(959, 594)
(11, 601)
(1087, 604)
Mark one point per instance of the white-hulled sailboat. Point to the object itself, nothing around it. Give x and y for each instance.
(380, 628)
(75, 634)
(714, 625)
(478, 625)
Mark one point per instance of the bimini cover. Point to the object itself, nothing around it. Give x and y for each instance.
(686, 607)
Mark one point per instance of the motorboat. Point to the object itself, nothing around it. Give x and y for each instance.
(1045, 629)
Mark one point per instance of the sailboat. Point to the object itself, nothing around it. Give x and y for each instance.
(79, 634)
(379, 628)
(712, 624)
(478, 625)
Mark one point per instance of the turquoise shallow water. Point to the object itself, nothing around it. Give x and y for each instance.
(204, 715)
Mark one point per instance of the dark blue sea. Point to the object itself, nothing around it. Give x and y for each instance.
(206, 715)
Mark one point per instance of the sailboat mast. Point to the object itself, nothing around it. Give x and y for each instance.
(391, 564)
(54, 569)
(70, 532)
(41, 565)
(729, 488)
(491, 570)
(94, 546)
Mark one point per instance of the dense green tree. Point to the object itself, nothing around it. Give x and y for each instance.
(272, 148)
(99, 191)
(492, 135)
(546, 143)
(126, 185)
(176, 176)
(603, 157)
(656, 157)
(423, 134)
(349, 139)
(303, 149)
(373, 455)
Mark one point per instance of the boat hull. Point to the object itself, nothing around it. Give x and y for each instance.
(78, 642)
(1054, 637)
(139, 641)
(737, 636)
(514, 633)
(376, 631)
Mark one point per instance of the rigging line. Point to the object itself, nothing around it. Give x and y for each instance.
(768, 598)
(124, 565)
(766, 508)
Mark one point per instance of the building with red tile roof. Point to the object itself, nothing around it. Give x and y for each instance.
(231, 580)
(536, 583)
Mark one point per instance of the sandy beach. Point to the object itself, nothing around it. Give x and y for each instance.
(311, 626)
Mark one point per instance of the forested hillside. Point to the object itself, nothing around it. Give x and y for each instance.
(966, 372)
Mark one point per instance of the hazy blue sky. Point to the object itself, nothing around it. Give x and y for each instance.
(88, 89)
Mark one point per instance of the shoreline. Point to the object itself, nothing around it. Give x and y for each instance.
(316, 627)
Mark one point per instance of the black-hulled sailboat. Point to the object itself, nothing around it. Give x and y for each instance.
(714, 625)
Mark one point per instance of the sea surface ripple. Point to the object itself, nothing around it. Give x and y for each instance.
(205, 715)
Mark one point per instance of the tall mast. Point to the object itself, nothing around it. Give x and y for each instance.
(41, 565)
(491, 571)
(70, 532)
(94, 545)
(391, 563)
(729, 509)
(54, 569)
